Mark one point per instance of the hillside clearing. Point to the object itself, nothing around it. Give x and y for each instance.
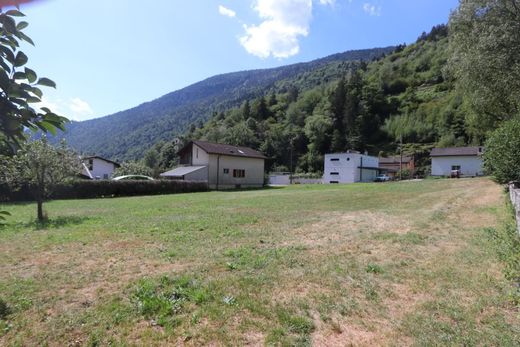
(365, 264)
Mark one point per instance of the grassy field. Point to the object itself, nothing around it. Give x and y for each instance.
(368, 264)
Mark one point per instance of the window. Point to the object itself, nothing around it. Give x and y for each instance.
(197, 155)
(334, 159)
(91, 164)
(226, 171)
(455, 167)
(334, 173)
(239, 173)
(348, 159)
(334, 182)
(105, 176)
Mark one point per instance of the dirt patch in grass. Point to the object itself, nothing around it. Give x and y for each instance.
(334, 230)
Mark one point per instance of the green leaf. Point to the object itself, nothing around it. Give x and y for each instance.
(15, 13)
(47, 127)
(25, 38)
(22, 25)
(37, 91)
(9, 24)
(19, 75)
(46, 110)
(21, 59)
(33, 100)
(5, 213)
(8, 54)
(44, 81)
(31, 75)
(4, 80)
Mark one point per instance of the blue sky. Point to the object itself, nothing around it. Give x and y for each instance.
(110, 55)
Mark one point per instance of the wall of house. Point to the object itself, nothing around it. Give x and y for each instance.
(199, 156)
(101, 169)
(469, 165)
(200, 175)
(343, 168)
(254, 171)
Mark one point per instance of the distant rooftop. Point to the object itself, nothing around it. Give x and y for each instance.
(236, 151)
(456, 151)
(395, 159)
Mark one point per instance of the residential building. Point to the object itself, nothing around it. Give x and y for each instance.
(350, 167)
(96, 167)
(393, 164)
(467, 160)
(222, 166)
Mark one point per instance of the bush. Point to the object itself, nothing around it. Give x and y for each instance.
(88, 189)
(501, 157)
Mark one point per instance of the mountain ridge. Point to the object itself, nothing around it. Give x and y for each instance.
(121, 135)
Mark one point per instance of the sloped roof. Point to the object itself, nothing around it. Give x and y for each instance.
(396, 159)
(181, 171)
(456, 151)
(101, 158)
(236, 151)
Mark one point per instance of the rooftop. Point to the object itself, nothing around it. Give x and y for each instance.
(456, 151)
(223, 149)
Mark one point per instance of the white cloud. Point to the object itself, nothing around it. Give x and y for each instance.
(328, 2)
(371, 9)
(80, 109)
(226, 11)
(284, 23)
(73, 108)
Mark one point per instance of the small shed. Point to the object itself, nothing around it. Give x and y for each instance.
(188, 173)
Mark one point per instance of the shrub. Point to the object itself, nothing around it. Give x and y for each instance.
(501, 159)
(88, 189)
(4, 309)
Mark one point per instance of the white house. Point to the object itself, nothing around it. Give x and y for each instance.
(222, 166)
(95, 167)
(350, 167)
(468, 160)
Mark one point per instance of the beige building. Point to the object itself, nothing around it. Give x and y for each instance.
(222, 166)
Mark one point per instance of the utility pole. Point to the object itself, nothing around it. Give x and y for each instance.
(291, 162)
(401, 159)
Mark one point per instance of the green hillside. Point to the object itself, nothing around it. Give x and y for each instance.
(361, 106)
(127, 134)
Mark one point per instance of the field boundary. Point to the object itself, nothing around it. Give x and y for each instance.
(514, 194)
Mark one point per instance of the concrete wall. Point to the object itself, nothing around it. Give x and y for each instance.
(344, 168)
(514, 194)
(279, 180)
(200, 175)
(469, 165)
(254, 172)
(199, 156)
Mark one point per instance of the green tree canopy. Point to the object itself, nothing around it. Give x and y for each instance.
(40, 166)
(485, 48)
(501, 156)
(20, 86)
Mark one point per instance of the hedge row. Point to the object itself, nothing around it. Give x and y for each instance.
(104, 189)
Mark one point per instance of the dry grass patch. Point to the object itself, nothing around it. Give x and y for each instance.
(369, 264)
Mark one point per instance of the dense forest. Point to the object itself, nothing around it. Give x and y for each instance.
(126, 135)
(369, 106)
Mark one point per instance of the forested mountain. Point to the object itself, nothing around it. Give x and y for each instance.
(128, 134)
(361, 106)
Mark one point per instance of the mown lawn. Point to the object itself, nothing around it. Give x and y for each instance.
(367, 264)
